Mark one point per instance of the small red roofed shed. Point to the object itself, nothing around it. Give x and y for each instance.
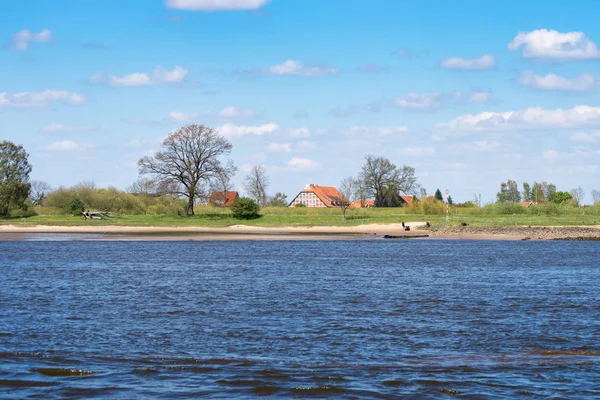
(222, 199)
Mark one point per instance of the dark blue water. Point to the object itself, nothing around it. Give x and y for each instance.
(349, 319)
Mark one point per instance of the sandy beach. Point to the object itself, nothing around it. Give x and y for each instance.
(245, 232)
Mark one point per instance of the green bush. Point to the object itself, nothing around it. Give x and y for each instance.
(244, 208)
(75, 206)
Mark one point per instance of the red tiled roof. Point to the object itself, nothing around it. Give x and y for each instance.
(363, 204)
(217, 198)
(408, 199)
(329, 195)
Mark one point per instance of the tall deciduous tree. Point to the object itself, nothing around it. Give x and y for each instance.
(509, 192)
(595, 196)
(38, 192)
(526, 192)
(14, 177)
(578, 194)
(386, 181)
(190, 158)
(256, 184)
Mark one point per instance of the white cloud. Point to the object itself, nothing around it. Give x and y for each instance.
(216, 5)
(484, 62)
(555, 46)
(588, 137)
(302, 164)
(65, 145)
(480, 97)
(418, 151)
(292, 147)
(419, 101)
(53, 127)
(582, 83)
(39, 99)
(294, 67)
(529, 118)
(469, 97)
(231, 130)
(358, 130)
(234, 112)
(20, 41)
(157, 76)
(280, 147)
(552, 155)
(178, 116)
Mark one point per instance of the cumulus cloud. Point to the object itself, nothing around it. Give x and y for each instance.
(216, 5)
(20, 41)
(157, 76)
(45, 99)
(554, 46)
(457, 63)
(294, 67)
(588, 137)
(529, 118)
(582, 83)
(66, 145)
(54, 128)
(419, 101)
(302, 164)
(231, 130)
(234, 112)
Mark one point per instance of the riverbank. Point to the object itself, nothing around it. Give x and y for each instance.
(246, 232)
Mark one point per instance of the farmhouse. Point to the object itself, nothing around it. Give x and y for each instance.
(222, 199)
(318, 196)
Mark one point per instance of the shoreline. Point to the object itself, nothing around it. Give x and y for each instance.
(244, 232)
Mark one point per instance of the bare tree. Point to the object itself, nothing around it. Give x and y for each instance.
(595, 196)
(386, 181)
(189, 160)
(221, 184)
(38, 191)
(348, 190)
(578, 194)
(142, 186)
(256, 184)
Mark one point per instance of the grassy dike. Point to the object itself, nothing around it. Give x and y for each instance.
(211, 217)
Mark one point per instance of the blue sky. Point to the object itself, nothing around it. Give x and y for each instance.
(469, 93)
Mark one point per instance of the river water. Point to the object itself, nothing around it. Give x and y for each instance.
(345, 319)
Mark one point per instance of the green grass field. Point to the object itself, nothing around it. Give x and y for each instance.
(211, 217)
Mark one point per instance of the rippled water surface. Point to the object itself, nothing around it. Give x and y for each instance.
(353, 319)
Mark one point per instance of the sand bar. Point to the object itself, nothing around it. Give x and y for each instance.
(245, 232)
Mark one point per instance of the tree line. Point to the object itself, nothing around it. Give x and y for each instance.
(542, 192)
